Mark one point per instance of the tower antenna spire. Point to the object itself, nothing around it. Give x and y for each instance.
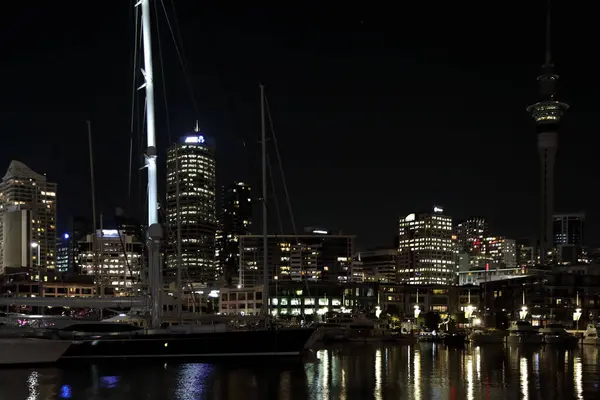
(197, 127)
(548, 55)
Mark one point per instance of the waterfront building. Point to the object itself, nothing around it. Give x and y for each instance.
(426, 250)
(27, 219)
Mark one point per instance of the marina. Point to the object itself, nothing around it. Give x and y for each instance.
(349, 371)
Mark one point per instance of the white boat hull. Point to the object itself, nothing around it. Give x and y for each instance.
(591, 341)
(31, 351)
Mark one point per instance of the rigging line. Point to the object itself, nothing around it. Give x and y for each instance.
(275, 195)
(283, 180)
(127, 264)
(180, 55)
(162, 74)
(133, 102)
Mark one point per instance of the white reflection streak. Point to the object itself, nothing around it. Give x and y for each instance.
(478, 363)
(325, 373)
(343, 383)
(378, 360)
(470, 377)
(33, 383)
(578, 377)
(410, 349)
(536, 370)
(524, 378)
(417, 375)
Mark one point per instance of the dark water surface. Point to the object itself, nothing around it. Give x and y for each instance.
(422, 371)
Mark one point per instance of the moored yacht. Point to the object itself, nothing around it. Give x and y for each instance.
(522, 332)
(590, 336)
(556, 334)
(105, 340)
(20, 350)
(483, 337)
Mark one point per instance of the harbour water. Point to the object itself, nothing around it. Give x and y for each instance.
(421, 371)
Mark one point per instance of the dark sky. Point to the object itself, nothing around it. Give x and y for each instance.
(379, 111)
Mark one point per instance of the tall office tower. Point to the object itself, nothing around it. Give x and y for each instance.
(191, 209)
(425, 251)
(470, 234)
(235, 220)
(547, 114)
(24, 191)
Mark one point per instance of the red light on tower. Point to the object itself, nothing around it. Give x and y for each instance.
(487, 267)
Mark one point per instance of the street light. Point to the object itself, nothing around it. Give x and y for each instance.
(469, 311)
(417, 311)
(36, 245)
(576, 316)
(377, 311)
(523, 313)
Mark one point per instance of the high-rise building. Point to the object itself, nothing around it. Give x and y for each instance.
(569, 238)
(547, 114)
(24, 192)
(191, 209)
(501, 252)
(312, 257)
(117, 266)
(235, 220)
(470, 234)
(425, 251)
(568, 229)
(66, 254)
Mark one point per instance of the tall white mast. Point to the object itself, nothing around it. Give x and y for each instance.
(154, 229)
(264, 206)
(150, 122)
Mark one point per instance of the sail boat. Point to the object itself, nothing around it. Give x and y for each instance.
(101, 340)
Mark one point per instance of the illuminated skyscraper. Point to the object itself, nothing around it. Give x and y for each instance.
(235, 220)
(191, 208)
(547, 114)
(425, 249)
(470, 234)
(27, 219)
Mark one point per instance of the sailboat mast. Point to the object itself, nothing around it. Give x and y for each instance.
(264, 205)
(150, 122)
(94, 239)
(154, 229)
(178, 206)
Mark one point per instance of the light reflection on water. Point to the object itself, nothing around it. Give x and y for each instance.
(422, 371)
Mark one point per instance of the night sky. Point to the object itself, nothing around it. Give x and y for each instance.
(378, 111)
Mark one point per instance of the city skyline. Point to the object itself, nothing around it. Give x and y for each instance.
(350, 181)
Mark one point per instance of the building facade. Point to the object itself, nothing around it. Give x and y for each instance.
(235, 220)
(569, 238)
(470, 234)
(116, 268)
(426, 250)
(27, 219)
(191, 209)
(379, 265)
(316, 257)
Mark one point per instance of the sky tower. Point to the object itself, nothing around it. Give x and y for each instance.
(547, 113)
